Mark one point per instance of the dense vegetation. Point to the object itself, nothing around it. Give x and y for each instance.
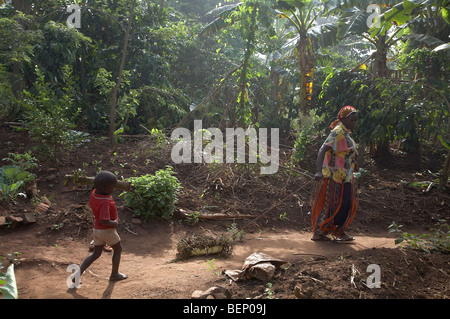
(290, 64)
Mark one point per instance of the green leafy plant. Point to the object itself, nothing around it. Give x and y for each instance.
(212, 266)
(305, 126)
(15, 177)
(25, 161)
(235, 232)
(269, 291)
(438, 240)
(50, 119)
(158, 194)
(192, 218)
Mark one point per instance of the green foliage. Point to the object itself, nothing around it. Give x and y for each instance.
(60, 46)
(407, 111)
(234, 232)
(16, 45)
(161, 107)
(239, 60)
(16, 51)
(14, 177)
(437, 241)
(49, 118)
(6, 93)
(305, 127)
(24, 161)
(158, 194)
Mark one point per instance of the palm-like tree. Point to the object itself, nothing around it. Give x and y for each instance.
(303, 16)
(398, 18)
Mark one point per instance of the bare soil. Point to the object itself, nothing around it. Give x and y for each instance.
(279, 226)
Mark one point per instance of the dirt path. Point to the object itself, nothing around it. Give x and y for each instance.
(147, 259)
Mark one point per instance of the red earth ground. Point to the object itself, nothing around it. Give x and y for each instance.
(279, 226)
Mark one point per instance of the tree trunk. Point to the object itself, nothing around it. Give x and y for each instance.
(22, 5)
(275, 78)
(302, 70)
(115, 89)
(380, 71)
(306, 69)
(381, 58)
(445, 172)
(243, 84)
(446, 169)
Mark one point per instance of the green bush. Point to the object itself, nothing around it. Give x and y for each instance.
(305, 127)
(14, 177)
(436, 241)
(49, 118)
(158, 194)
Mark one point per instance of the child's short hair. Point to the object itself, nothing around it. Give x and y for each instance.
(103, 180)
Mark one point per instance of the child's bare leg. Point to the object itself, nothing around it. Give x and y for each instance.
(115, 274)
(91, 258)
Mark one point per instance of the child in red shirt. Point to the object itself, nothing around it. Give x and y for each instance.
(106, 222)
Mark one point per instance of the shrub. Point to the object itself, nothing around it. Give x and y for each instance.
(437, 241)
(158, 194)
(48, 115)
(305, 127)
(14, 177)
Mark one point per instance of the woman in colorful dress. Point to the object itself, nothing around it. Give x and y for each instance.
(335, 200)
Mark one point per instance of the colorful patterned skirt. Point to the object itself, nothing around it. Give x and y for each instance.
(334, 207)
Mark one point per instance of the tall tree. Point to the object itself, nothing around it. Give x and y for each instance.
(303, 14)
(112, 116)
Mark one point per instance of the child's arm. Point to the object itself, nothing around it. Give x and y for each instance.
(105, 217)
(110, 223)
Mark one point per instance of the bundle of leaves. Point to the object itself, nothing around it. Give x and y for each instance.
(158, 194)
(194, 245)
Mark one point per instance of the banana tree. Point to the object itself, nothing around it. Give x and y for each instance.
(248, 15)
(420, 21)
(303, 16)
(386, 23)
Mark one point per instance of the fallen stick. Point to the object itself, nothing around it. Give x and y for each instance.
(185, 214)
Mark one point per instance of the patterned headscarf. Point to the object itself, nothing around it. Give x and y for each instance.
(343, 113)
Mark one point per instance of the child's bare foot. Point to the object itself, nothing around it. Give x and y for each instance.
(118, 277)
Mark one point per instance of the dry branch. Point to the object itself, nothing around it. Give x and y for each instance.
(185, 214)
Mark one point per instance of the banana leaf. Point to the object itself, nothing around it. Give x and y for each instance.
(9, 290)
